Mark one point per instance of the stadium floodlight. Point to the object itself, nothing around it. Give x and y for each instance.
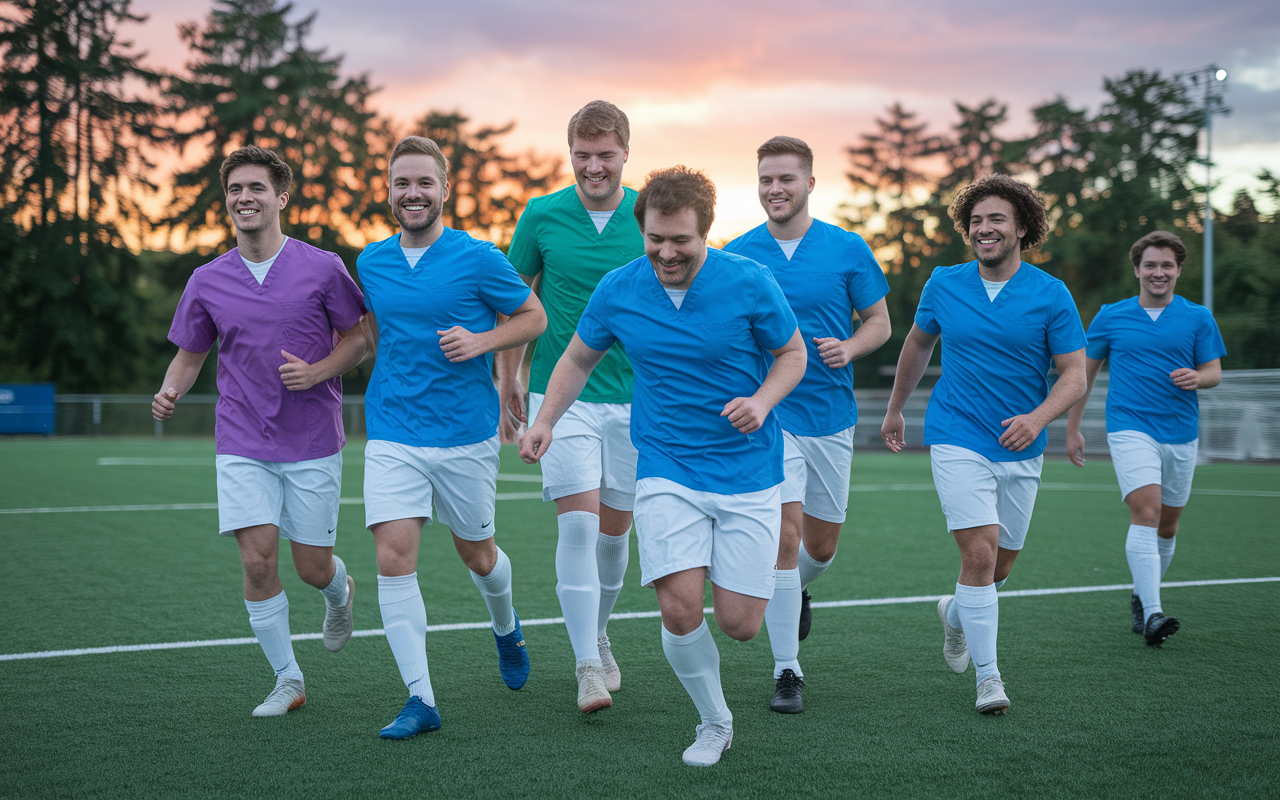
(1214, 80)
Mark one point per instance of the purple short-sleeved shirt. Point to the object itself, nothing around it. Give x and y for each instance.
(306, 296)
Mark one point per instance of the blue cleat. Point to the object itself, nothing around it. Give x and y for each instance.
(513, 659)
(417, 717)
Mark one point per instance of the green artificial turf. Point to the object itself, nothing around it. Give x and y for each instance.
(1095, 713)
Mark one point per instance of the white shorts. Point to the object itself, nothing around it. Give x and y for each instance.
(816, 470)
(298, 497)
(402, 481)
(734, 535)
(590, 449)
(976, 491)
(1142, 461)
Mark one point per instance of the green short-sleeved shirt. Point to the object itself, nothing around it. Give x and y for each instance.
(556, 237)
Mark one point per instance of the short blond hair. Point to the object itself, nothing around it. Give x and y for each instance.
(419, 146)
(598, 118)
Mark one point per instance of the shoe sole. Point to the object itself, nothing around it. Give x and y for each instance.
(1169, 628)
(595, 705)
(787, 708)
(727, 745)
(299, 703)
(994, 709)
(351, 599)
(382, 734)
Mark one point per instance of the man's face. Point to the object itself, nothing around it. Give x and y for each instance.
(417, 192)
(1157, 272)
(597, 166)
(784, 187)
(674, 247)
(252, 201)
(993, 231)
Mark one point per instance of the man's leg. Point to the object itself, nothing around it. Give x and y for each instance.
(309, 519)
(268, 608)
(491, 573)
(1167, 532)
(1141, 548)
(578, 575)
(782, 616)
(977, 607)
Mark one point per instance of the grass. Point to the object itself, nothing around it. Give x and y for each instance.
(1095, 712)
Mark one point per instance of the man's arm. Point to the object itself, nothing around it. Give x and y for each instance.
(567, 380)
(178, 380)
(524, 325)
(874, 331)
(915, 355)
(1204, 376)
(1021, 431)
(748, 413)
(506, 364)
(353, 348)
(1075, 440)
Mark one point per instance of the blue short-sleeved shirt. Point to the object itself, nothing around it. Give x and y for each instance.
(416, 396)
(831, 275)
(689, 362)
(996, 354)
(1140, 395)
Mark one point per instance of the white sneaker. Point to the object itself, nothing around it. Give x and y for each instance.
(954, 648)
(339, 622)
(991, 696)
(612, 675)
(592, 694)
(713, 739)
(287, 696)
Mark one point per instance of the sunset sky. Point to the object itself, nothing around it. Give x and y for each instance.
(705, 82)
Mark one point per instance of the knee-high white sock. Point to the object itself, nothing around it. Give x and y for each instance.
(782, 620)
(495, 588)
(404, 619)
(998, 584)
(811, 568)
(696, 661)
(269, 620)
(953, 614)
(1144, 562)
(1166, 547)
(578, 582)
(612, 553)
(335, 594)
(979, 612)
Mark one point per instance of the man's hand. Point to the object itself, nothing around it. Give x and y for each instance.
(1075, 448)
(746, 413)
(534, 444)
(460, 344)
(894, 432)
(1186, 379)
(511, 418)
(1020, 433)
(163, 404)
(835, 353)
(298, 375)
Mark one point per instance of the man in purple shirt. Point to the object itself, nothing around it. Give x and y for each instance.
(274, 305)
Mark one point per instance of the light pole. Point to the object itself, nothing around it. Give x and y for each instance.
(1214, 80)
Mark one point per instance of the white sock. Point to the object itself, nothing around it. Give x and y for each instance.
(578, 582)
(809, 568)
(782, 621)
(269, 620)
(1144, 562)
(998, 584)
(612, 553)
(979, 613)
(953, 614)
(495, 588)
(335, 594)
(404, 619)
(1166, 547)
(696, 661)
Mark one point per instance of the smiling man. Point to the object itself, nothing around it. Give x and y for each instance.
(431, 410)
(1002, 323)
(699, 326)
(1162, 349)
(570, 239)
(830, 278)
(273, 304)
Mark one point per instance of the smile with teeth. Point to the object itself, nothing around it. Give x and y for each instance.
(415, 207)
(244, 212)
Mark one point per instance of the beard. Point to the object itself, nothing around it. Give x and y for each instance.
(433, 214)
(997, 258)
(781, 216)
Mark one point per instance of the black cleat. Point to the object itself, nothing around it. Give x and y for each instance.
(806, 614)
(786, 697)
(1159, 628)
(1139, 620)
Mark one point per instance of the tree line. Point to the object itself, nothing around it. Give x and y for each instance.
(94, 252)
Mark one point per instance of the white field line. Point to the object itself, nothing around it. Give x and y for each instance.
(527, 623)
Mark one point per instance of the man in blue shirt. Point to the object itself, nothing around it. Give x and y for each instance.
(1162, 348)
(1002, 323)
(829, 277)
(434, 294)
(699, 326)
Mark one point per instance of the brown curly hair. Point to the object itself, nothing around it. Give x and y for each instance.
(676, 188)
(1028, 207)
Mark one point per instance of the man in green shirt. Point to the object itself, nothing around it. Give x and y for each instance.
(572, 238)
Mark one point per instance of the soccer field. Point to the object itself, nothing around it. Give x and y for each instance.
(110, 544)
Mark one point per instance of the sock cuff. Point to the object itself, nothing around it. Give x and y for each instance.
(500, 575)
(689, 638)
(1166, 545)
(577, 529)
(614, 540)
(998, 584)
(813, 562)
(976, 596)
(576, 515)
(272, 605)
(1141, 539)
(786, 578)
(399, 588)
(339, 581)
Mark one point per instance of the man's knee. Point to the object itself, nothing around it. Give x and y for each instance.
(742, 628)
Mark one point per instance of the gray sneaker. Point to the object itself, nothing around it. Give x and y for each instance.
(991, 696)
(287, 696)
(954, 648)
(713, 739)
(592, 694)
(339, 622)
(612, 675)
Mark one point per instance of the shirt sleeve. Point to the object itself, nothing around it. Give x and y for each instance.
(926, 319)
(1099, 346)
(193, 327)
(593, 325)
(1066, 333)
(773, 323)
(864, 281)
(1209, 344)
(500, 287)
(343, 300)
(524, 253)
